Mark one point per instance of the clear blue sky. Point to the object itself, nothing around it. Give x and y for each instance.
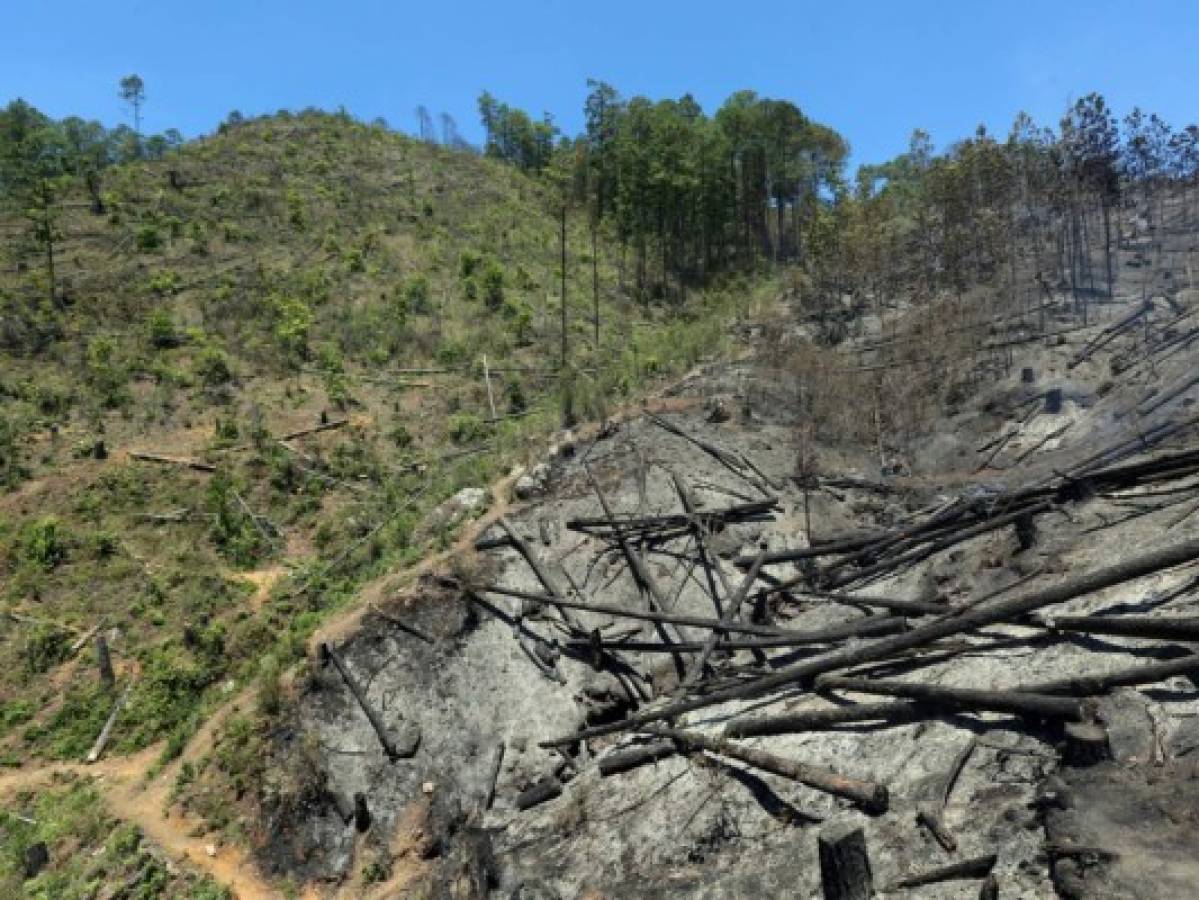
(873, 70)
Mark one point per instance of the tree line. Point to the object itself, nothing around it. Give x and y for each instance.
(687, 195)
(691, 195)
(41, 158)
(1041, 200)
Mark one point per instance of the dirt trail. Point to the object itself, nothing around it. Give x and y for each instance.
(133, 798)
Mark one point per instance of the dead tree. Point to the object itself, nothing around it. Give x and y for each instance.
(844, 863)
(946, 626)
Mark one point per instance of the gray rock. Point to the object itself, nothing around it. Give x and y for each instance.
(526, 488)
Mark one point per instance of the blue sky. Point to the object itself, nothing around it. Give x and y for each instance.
(872, 70)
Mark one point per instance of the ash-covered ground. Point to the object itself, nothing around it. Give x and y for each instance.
(468, 681)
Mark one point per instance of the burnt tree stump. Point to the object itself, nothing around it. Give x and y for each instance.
(1085, 744)
(37, 857)
(1026, 531)
(844, 863)
(104, 661)
(362, 815)
(1053, 401)
(1028, 375)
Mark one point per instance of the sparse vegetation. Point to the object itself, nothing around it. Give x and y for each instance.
(86, 848)
(238, 374)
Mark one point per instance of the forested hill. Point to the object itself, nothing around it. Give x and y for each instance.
(245, 375)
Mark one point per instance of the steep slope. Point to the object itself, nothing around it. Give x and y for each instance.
(535, 680)
(215, 432)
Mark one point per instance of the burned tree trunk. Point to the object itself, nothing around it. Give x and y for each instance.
(844, 863)
(104, 662)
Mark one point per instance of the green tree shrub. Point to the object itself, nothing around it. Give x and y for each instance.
(493, 284)
(106, 373)
(45, 647)
(467, 428)
(44, 543)
(416, 292)
(148, 237)
(213, 367)
(161, 330)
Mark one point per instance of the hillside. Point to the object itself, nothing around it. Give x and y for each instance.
(292, 274)
(958, 635)
(337, 559)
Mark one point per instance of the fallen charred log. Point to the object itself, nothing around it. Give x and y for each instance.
(1021, 703)
(868, 626)
(870, 796)
(1086, 685)
(975, 867)
(945, 626)
(1150, 627)
(893, 712)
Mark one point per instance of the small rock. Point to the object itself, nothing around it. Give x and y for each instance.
(1053, 792)
(469, 499)
(210, 849)
(527, 487)
(428, 787)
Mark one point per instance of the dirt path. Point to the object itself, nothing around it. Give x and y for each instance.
(133, 798)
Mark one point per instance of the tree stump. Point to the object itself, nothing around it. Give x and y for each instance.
(1086, 744)
(104, 661)
(37, 857)
(362, 815)
(844, 863)
(1028, 375)
(990, 888)
(1026, 531)
(1053, 401)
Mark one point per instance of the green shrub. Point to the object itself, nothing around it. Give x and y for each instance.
(14, 713)
(106, 373)
(44, 543)
(165, 282)
(161, 330)
(466, 428)
(101, 543)
(493, 284)
(169, 693)
(517, 402)
(416, 293)
(213, 367)
(234, 533)
(293, 320)
(148, 238)
(401, 436)
(468, 263)
(72, 729)
(296, 212)
(520, 321)
(451, 352)
(270, 686)
(44, 648)
(12, 471)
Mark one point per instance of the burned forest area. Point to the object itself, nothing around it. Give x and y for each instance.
(684, 664)
(385, 517)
